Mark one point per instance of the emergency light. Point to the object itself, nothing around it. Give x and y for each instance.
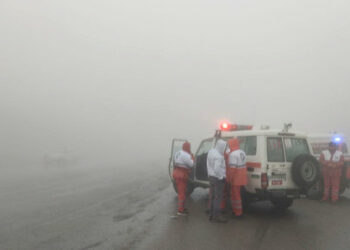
(226, 126)
(337, 139)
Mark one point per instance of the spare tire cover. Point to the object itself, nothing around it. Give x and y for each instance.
(305, 170)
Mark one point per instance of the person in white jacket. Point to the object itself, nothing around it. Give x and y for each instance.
(217, 173)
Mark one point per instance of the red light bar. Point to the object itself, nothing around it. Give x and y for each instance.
(225, 126)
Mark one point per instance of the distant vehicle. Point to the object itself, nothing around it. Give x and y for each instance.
(319, 143)
(280, 166)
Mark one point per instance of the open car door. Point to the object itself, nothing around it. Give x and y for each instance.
(201, 159)
(176, 146)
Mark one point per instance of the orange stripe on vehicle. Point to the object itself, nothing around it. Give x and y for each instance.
(253, 164)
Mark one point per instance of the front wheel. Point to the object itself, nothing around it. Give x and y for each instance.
(282, 203)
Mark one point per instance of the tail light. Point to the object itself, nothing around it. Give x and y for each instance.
(264, 181)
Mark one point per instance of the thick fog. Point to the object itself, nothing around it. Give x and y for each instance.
(112, 82)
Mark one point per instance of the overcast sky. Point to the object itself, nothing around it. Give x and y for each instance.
(113, 81)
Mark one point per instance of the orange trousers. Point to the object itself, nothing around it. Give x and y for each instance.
(180, 176)
(236, 201)
(237, 177)
(331, 180)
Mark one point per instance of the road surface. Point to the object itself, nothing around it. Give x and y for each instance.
(109, 208)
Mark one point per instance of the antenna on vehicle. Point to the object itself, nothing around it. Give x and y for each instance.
(287, 126)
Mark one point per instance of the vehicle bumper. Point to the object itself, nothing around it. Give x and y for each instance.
(277, 193)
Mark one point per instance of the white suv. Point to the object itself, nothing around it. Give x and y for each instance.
(280, 166)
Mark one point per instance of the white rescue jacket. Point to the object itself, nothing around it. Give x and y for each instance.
(215, 162)
(237, 159)
(182, 159)
(336, 156)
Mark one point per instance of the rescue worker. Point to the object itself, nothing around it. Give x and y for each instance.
(332, 161)
(217, 174)
(236, 175)
(183, 162)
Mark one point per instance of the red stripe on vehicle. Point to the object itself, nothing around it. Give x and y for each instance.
(253, 164)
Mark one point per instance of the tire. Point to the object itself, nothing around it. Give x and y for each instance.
(282, 204)
(305, 171)
(189, 189)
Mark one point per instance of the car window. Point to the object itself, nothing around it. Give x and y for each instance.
(248, 144)
(295, 147)
(205, 146)
(275, 149)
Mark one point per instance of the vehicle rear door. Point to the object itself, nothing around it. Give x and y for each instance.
(276, 165)
(293, 147)
(253, 162)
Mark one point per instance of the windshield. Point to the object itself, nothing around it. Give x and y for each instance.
(295, 147)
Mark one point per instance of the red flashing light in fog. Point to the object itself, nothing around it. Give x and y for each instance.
(226, 126)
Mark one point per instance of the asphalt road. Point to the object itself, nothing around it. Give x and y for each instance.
(110, 208)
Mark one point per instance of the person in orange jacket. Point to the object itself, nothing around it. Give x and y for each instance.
(236, 175)
(332, 161)
(183, 163)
